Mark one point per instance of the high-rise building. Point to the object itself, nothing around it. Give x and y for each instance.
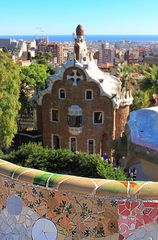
(105, 54)
(55, 47)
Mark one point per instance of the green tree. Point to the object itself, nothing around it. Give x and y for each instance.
(150, 80)
(34, 76)
(148, 85)
(124, 73)
(43, 57)
(40, 58)
(50, 69)
(32, 79)
(142, 99)
(9, 99)
(141, 68)
(143, 86)
(48, 56)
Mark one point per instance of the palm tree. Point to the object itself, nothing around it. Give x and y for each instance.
(124, 73)
(150, 80)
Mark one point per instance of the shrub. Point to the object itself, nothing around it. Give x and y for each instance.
(1, 154)
(64, 161)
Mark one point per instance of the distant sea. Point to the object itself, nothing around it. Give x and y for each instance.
(68, 38)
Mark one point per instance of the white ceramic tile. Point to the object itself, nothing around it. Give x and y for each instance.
(44, 229)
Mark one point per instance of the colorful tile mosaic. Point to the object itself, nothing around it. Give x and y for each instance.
(76, 216)
(35, 204)
(135, 214)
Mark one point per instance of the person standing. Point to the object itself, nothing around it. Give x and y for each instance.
(104, 156)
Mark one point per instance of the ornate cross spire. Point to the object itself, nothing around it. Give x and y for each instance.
(75, 77)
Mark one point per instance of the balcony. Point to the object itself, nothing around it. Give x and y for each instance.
(75, 119)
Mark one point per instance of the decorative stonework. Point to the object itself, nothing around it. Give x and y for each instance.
(79, 30)
(17, 226)
(109, 85)
(137, 218)
(52, 206)
(75, 76)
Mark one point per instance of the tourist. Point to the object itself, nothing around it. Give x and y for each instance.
(104, 156)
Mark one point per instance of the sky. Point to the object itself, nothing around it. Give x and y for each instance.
(60, 17)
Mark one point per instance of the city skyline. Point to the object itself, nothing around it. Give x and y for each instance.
(119, 17)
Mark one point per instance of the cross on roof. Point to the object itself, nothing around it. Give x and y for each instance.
(75, 77)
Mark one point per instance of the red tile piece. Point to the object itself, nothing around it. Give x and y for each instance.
(134, 205)
(147, 219)
(128, 205)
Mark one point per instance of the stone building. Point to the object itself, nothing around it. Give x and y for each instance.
(82, 108)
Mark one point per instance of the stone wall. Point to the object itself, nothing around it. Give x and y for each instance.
(40, 205)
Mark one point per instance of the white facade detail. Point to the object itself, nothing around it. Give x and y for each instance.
(109, 85)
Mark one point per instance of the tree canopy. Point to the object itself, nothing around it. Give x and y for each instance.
(34, 75)
(9, 99)
(143, 85)
(124, 73)
(33, 78)
(150, 79)
(148, 85)
(43, 57)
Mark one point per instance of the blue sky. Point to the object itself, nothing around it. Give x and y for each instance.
(60, 17)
